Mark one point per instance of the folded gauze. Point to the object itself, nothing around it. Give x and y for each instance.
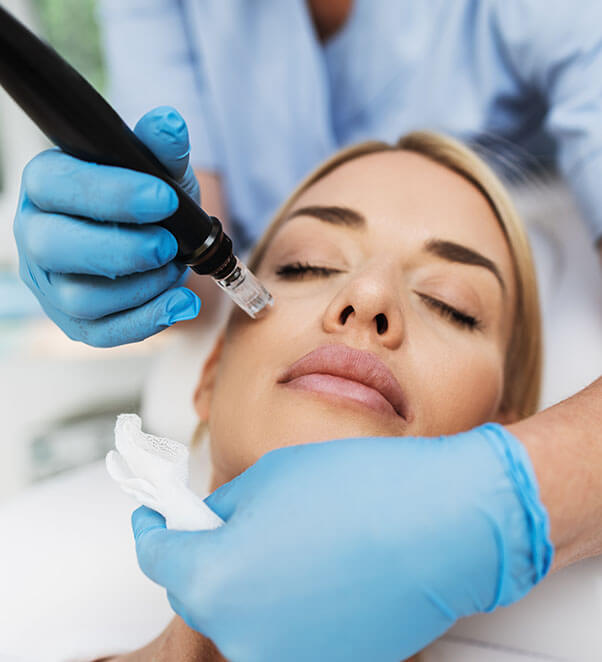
(154, 470)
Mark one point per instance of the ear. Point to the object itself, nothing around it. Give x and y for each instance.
(204, 389)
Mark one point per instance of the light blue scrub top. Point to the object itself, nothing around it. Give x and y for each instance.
(265, 102)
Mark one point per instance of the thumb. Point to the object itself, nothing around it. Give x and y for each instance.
(225, 499)
(229, 496)
(170, 558)
(164, 131)
(247, 485)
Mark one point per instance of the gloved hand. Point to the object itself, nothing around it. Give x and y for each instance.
(360, 549)
(88, 246)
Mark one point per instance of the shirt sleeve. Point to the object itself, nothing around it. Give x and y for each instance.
(151, 61)
(555, 48)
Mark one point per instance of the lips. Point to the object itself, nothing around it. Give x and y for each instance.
(342, 371)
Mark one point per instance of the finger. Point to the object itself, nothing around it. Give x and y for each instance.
(164, 132)
(230, 496)
(170, 558)
(226, 499)
(93, 297)
(64, 244)
(144, 519)
(57, 182)
(131, 325)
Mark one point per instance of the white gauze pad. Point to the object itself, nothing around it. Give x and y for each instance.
(154, 470)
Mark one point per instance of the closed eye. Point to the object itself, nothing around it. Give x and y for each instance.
(453, 314)
(300, 270)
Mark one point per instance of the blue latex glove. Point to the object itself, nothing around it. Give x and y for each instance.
(360, 549)
(88, 246)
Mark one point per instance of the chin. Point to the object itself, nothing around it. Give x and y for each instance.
(294, 422)
(321, 418)
(327, 423)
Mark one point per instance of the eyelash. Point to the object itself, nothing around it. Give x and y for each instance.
(299, 270)
(468, 321)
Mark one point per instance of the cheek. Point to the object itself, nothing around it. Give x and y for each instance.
(235, 403)
(246, 415)
(458, 391)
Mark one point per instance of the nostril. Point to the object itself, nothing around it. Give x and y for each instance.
(381, 324)
(345, 314)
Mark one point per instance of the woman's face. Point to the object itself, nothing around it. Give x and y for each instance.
(394, 298)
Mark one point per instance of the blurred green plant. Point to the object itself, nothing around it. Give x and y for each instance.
(71, 27)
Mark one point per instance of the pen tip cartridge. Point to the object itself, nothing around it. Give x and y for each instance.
(246, 291)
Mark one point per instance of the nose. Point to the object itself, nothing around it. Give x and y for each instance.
(369, 305)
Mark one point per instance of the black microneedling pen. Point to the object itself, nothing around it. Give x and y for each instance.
(77, 119)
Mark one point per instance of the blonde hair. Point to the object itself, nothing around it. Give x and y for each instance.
(523, 364)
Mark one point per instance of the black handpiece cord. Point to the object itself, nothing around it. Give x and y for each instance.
(78, 119)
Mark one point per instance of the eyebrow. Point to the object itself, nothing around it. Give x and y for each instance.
(332, 214)
(453, 252)
(448, 250)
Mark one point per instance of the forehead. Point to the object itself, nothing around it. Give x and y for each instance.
(404, 194)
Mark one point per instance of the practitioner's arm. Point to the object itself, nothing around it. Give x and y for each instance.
(564, 443)
(564, 69)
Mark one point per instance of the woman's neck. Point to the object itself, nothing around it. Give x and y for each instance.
(329, 16)
(186, 645)
(176, 642)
